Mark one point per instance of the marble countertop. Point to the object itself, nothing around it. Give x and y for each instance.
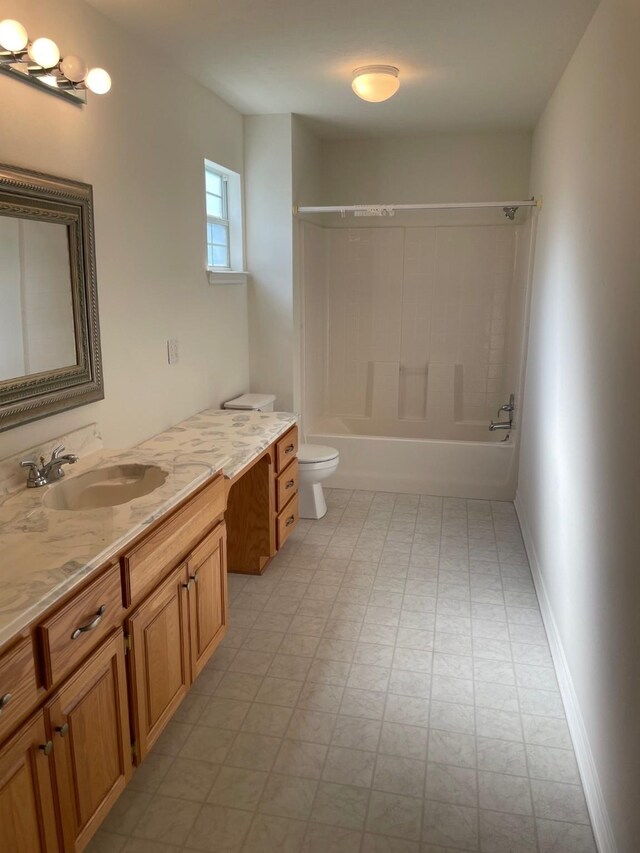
(45, 553)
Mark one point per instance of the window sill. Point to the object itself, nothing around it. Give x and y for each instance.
(226, 276)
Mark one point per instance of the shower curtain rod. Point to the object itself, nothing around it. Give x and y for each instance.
(509, 207)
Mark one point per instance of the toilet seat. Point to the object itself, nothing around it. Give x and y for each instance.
(312, 454)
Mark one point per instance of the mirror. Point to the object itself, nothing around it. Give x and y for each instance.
(49, 333)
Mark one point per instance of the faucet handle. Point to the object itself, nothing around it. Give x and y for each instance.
(29, 463)
(57, 451)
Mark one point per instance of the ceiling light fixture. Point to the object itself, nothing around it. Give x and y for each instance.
(39, 62)
(375, 83)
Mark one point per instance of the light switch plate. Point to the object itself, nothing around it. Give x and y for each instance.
(172, 351)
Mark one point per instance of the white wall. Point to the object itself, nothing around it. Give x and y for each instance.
(579, 491)
(142, 147)
(439, 167)
(306, 188)
(268, 200)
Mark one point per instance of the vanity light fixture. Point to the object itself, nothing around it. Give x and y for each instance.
(375, 83)
(39, 62)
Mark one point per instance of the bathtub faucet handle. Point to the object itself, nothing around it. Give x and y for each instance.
(508, 407)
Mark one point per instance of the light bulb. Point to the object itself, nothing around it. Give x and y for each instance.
(98, 81)
(44, 53)
(74, 68)
(375, 83)
(13, 36)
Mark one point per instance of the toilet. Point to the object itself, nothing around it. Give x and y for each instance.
(316, 462)
(252, 403)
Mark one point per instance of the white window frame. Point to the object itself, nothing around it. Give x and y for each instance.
(232, 220)
(222, 221)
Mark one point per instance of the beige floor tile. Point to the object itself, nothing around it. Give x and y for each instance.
(219, 830)
(300, 758)
(253, 751)
(238, 788)
(206, 743)
(269, 832)
(450, 825)
(398, 775)
(267, 719)
(288, 796)
(340, 805)
(349, 766)
(331, 839)
(188, 779)
(126, 812)
(394, 815)
(167, 819)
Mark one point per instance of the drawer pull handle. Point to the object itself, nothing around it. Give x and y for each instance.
(63, 730)
(4, 701)
(47, 747)
(289, 521)
(290, 484)
(289, 448)
(90, 626)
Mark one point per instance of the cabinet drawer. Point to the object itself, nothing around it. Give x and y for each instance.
(72, 632)
(18, 688)
(286, 521)
(148, 562)
(286, 449)
(286, 485)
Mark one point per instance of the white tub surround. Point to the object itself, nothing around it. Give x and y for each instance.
(47, 552)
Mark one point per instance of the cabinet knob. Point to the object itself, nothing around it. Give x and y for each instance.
(187, 585)
(4, 701)
(46, 748)
(194, 577)
(289, 521)
(289, 448)
(290, 484)
(63, 730)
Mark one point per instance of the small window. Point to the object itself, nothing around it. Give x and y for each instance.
(218, 229)
(224, 237)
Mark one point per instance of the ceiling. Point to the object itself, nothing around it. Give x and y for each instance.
(465, 65)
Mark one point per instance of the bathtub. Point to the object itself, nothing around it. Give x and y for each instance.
(463, 460)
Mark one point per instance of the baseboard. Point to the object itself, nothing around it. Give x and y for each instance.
(600, 821)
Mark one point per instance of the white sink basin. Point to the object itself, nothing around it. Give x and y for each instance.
(104, 487)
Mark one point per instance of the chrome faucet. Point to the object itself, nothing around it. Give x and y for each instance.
(48, 472)
(507, 407)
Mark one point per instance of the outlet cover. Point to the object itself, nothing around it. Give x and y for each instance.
(172, 351)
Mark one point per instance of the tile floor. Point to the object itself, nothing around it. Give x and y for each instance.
(386, 687)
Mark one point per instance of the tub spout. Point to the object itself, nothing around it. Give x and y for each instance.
(500, 425)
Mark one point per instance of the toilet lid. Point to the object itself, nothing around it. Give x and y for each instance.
(250, 402)
(316, 453)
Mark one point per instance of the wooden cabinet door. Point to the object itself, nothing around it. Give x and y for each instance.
(89, 724)
(160, 666)
(27, 816)
(207, 584)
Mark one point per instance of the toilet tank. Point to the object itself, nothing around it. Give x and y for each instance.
(252, 403)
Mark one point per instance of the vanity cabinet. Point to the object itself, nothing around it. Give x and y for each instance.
(86, 691)
(207, 593)
(27, 816)
(172, 636)
(262, 506)
(158, 635)
(88, 721)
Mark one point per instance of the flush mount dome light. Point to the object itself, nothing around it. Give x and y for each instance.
(375, 83)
